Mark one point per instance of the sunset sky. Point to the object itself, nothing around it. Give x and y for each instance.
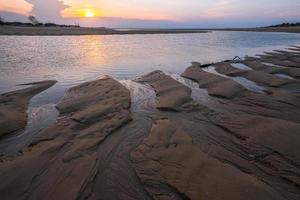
(155, 13)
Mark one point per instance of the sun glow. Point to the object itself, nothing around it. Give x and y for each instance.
(89, 13)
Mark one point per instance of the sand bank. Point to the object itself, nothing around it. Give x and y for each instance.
(23, 30)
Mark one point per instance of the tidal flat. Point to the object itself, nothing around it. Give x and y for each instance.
(152, 137)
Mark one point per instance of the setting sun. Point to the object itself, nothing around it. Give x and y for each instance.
(89, 13)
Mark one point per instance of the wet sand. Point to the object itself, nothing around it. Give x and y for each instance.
(13, 106)
(23, 30)
(153, 138)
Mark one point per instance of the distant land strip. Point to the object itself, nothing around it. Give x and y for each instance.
(286, 29)
(31, 30)
(53, 29)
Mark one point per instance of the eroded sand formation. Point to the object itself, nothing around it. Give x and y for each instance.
(13, 106)
(239, 145)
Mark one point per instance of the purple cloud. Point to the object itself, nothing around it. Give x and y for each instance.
(48, 10)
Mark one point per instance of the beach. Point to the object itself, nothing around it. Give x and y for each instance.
(228, 126)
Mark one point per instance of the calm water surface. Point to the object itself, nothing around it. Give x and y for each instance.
(75, 59)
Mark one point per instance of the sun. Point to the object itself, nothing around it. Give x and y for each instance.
(89, 13)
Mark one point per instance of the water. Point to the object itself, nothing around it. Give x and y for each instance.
(143, 96)
(199, 95)
(72, 60)
(240, 66)
(272, 65)
(284, 76)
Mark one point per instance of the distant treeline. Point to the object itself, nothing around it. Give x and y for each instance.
(36, 25)
(286, 25)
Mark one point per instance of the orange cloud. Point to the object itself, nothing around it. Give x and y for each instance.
(16, 6)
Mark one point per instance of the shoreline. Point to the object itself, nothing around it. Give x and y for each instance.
(73, 31)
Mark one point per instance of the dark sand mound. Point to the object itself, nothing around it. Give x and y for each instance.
(287, 62)
(256, 76)
(293, 72)
(171, 94)
(169, 156)
(13, 105)
(290, 59)
(216, 85)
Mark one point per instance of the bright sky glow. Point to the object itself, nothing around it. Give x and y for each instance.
(89, 13)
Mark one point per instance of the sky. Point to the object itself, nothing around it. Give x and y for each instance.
(155, 13)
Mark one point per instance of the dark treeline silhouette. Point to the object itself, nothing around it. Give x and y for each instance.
(286, 25)
(3, 22)
(36, 25)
